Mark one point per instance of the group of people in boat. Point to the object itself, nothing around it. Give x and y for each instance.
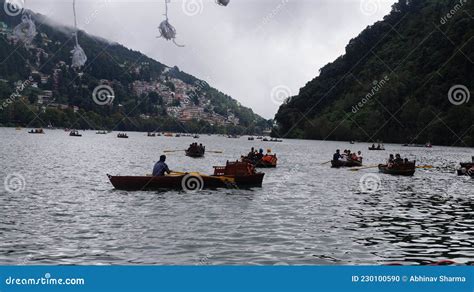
(397, 160)
(255, 155)
(122, 135)
(347, 155)
(195, 147)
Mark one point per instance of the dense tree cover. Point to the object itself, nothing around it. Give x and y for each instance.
(107, 61)
(392, 83)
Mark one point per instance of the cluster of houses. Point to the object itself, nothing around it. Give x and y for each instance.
(181, 101)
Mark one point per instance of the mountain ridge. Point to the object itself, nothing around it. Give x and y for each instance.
(152, 94)
(425, 50)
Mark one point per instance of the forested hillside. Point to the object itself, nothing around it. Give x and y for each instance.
(406, 79)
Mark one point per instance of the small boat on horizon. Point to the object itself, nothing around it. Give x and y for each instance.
(122, 136)
(36, 131)
(75, 133)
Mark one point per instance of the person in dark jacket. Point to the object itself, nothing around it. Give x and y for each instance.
(337, 155)
(161, 167)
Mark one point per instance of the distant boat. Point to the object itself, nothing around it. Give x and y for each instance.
(36, 131)
(18, 128)
(75, 133)
(275, 140)
(259, 138)
(427, 145)
(196, 136)
(168, 135)
(122, 135)
(151, 134)
(233, 136)
(251, 138)
(352, 142)
(177, 135)
(378, 147)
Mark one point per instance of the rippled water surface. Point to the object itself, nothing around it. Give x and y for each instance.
(306, 213)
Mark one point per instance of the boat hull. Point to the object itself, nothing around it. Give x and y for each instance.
(187, 182)
(342, 163)
(376, 149)
(404, 171)
(194, 154)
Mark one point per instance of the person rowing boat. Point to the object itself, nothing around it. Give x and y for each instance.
(161, 167)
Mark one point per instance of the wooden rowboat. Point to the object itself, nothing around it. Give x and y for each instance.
(345, 163)
(233, 175)
(407, 169)
(190, 182)
(195, 153)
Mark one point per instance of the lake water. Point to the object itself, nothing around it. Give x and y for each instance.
(65, 210)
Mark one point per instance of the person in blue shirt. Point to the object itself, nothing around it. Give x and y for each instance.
(161, 167)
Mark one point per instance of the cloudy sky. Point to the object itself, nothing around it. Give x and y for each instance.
(257, 51)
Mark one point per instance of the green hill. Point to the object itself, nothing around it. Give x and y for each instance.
(148, 95)
(394, 81)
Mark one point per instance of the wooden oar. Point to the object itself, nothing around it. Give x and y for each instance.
(169, 151)
(366, 167)
(425, 166)
(224, 179)
(215, 152)
(326, 162)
